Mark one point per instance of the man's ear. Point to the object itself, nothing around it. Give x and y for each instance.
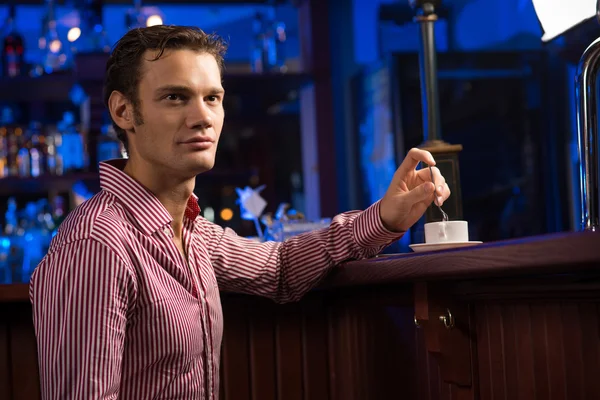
(120, 110)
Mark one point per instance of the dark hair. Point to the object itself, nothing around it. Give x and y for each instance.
(123, 68)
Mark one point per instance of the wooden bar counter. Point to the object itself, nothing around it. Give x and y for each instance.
(518, 319)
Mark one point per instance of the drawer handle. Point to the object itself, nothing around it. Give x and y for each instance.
(447, 320)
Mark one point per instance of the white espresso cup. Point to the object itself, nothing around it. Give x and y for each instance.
(446, 231)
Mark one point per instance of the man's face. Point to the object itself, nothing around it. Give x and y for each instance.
(180, 113)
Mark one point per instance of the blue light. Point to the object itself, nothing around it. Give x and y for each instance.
(5, 243)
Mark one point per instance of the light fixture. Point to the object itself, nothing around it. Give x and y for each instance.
(73, 34)
(209, 214)
(226, 214)
(154, 20)
(558, 16)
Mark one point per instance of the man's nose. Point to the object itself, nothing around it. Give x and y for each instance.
(200, 115)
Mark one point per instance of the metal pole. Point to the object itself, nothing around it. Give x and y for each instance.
(587, 134)
(430, 103)
(428, 71)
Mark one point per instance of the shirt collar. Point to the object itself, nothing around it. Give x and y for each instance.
(147, 211)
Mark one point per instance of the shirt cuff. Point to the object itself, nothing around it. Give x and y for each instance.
(369, 230)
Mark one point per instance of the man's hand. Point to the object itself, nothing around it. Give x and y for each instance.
(411, 192)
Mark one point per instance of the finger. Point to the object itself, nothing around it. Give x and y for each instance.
(438, 178)
(445, 194)
(439, 181)
(422, 193)
(413, 158)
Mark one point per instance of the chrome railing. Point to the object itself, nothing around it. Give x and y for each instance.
(587, 134)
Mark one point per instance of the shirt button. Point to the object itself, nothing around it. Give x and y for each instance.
(167, 231)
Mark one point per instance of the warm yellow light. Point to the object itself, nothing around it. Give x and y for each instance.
(55, 46)
(154, 20)
(73, 34)
(226, 214)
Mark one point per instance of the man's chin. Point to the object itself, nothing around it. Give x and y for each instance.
(202, 168)
(192, 166)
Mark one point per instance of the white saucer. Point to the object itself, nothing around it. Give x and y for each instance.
(420, 247)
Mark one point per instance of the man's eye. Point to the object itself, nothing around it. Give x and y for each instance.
(174, 97)
(213, 98)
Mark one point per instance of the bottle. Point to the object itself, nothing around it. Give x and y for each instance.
(24, 154)
(257, 60)
(74, 156)
(3, 152)
(270, 41)
(37, 153)
(54, 160)
(13, 132)
(10, 217)
(56, 52)
(12, 47)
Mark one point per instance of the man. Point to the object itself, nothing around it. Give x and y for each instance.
(126, 302)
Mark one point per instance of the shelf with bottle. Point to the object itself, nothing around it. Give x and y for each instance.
(35, 152)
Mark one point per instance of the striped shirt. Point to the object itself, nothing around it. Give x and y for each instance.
(120, 314)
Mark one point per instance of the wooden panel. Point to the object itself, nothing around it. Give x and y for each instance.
(262, 351)
(524, 349)
(274, 351)
(543, 350)
(556, 356)
(572, 340)
(540, 351)
(378, 353)
(23, 348)
(509, 337)
(288, 352)
(315, 349)
(235, 369)
(429, 381)
(590, 335)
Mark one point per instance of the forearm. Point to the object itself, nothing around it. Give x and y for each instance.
(286, 271)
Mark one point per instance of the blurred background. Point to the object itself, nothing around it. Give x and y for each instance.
(323, 102)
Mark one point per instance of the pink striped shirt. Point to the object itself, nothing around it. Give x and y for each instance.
(119, 313)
